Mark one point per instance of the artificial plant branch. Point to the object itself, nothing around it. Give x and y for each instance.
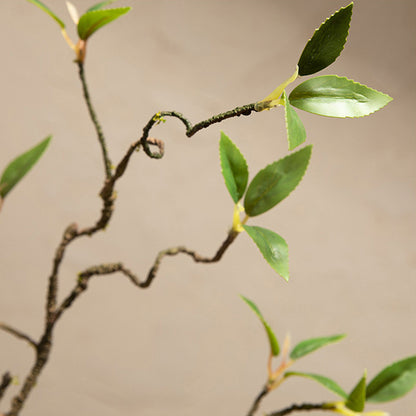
(5, 382)
(110, 268)
(98, 129)
(300, 408)
(191, 129)
(257, 401)
(19, 334)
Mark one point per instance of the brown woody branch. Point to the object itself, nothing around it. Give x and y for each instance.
(19, 334)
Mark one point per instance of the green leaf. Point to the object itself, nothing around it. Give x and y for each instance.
(326, 43)
(48, 11)
(234, 168)
(393, 381)
(333, 96)
(275, 182)
(356, 399)
(18, 168)
(90, 22)
(274, 345)
(296, 133)
(273, 247)
(325, 381)
(100, 5)
(312, 344)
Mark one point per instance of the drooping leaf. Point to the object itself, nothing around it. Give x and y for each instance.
(312, 344)
(47, 10)
(326, 43)
(275, 182)
(18, 168)
(333, 96)
(234, 168)
(273, 247)
(274, 345)
(393, 381)
(296, 133)
(356, 399)
(325, 381)
(91, 21)
(100, 5)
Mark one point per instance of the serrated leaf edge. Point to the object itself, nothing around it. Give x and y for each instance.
(354, 82)
(222, 170)
(280, 160)
(317, 29)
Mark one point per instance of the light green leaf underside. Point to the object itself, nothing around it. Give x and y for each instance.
(18, 168)
(325, 381)
(333, 96)
(47, 10)
(312, 344)
(234, 168)
(275, 182)
(326, 43)
(356, 399)
(274, 345)
(393, 381)
(91, 21)
(100, 5)
(273, 247)
(296, 133)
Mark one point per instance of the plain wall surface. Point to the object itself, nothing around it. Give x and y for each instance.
(188, 345)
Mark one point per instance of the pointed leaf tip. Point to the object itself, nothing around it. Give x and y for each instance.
(393, 382)
(356, 399)
(274, 345)
(312, 344)
(234, 168)
(326, 43)
(20, 166)
(334, 96)
(275, 182)
(93, 20)
(47, 10)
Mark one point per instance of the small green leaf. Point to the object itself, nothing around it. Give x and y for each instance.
(48, 11)
(273, 247)
(100, 5)
(356, 399)
(275, 182)
(326, 43)
(393, 381)
(274, 345)
(325, 381)
(234, 168)
(296, 133)
(90, 22)
(312, 344)
(333, 96)
(18, 168)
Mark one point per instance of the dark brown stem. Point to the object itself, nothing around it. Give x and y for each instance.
(110, 268)
(301, 408)
(94, 119)
(19, 334)
(257, 401)
(5, 382)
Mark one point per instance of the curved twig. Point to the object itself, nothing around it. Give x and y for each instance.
(110, 268)
(257, 401)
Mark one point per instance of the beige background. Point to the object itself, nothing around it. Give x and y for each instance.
(188, 345)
